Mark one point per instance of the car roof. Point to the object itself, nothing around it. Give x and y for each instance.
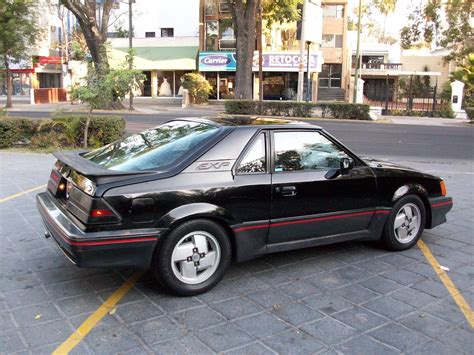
(237, 121)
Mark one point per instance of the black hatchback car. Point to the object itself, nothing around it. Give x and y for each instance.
(187, 197)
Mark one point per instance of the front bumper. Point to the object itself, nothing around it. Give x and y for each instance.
(440, 206)
(122, 248)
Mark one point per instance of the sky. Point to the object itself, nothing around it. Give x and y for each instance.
(397, 19)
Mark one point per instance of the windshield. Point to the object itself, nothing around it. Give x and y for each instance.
(156, 149)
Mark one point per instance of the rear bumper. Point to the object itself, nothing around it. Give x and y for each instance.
(123, 248)
(440, 206)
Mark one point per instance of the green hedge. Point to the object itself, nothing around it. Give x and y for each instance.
(470, 112)
(60, 132)
(298, 109)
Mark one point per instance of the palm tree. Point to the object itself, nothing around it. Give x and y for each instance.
(385, 7)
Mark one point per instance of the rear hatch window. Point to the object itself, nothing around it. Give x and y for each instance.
(160, 148)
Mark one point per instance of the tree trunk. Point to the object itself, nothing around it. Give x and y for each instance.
(86, 128)
(243, 17)
(8, 78)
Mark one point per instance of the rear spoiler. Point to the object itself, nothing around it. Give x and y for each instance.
(76, 161)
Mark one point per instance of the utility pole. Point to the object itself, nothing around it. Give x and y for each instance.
(354, 96)
(299, 96)
(130, 46)
(308, 73)
(260, 49)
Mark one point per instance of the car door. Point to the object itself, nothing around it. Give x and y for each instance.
(306, 201)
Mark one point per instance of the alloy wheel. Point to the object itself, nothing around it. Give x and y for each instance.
(407, 223)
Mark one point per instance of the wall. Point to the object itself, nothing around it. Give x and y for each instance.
(151, 16)
(434, 63)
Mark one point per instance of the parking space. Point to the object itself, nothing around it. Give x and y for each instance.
(351, 297)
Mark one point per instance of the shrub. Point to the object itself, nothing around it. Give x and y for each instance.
(298, 109)
(470, 112)
(60, 132)
(199, 88)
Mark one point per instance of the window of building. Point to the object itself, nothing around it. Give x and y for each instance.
(150, 34)
(330, 76)
(302, 151)
(332, 41)
(227, 36)
(167, 32)
(333, 11)
(223, 7)
(212, 35)
(210, 8)
(254, 159)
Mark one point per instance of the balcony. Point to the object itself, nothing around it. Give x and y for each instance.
(379, 68)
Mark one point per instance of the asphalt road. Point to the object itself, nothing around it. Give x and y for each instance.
(409, 141)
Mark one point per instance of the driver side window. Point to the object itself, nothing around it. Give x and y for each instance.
(305, 150)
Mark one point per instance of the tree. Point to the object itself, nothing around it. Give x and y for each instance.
(385, 7)
(425, 27)
(94, 23)
(99, 89)
(18, 34)
(465, 73)
(243, 14)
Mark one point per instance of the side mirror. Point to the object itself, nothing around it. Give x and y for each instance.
(346, 165)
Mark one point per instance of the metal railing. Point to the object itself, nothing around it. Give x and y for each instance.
(380, 66)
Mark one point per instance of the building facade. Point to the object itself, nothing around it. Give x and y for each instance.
(328, 64)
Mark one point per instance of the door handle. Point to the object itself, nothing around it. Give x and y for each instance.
(288, 191)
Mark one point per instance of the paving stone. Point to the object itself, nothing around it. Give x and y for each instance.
(6, 321)
(458, 338)
(328, 280)
(404, 277)
(300, 289)
(397, 260)
(398, 336)
(26, 297)
(270, 298)
(300, 270)
(217, 294)
(157, 330)
(325, 263)
(426, 324)
(10, 342)
(375, 266)
(388, 307)
(36, 314)
(296, 313)
(274, 277)
(223, 337)
(107, 340)
(255, 266)
(432, 287)
(19, 282)
(251, 349)
(363, 345)
(132, 296)
(294, 342)
(236, 308)
(244, 285)
(46, 333)
(356, 294)
(187, 344)
(432, 347)
(138, 311)
(199, 318)
(86, 303)
(261, 325)
(413, 297)
(360, 318)
(175, 304)
(327, 303)
(329, 331)
(380, 285)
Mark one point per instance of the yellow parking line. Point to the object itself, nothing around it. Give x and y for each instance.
(11, 197)
(95, 317)
(455, 294)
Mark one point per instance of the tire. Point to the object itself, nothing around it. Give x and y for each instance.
(405, 224)
(193, 258)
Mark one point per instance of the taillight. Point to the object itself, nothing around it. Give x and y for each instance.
(101, 213)
(442, 185)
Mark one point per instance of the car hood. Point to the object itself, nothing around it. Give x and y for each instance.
(382, 164)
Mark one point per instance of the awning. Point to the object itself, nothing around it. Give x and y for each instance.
(158, 58)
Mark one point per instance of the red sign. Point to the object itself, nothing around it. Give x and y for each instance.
(49, 60)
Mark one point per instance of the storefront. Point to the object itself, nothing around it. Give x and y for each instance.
(280, 73)
(164, 66)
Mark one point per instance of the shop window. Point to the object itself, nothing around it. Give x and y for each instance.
(150, 34)
(212, 35)
(167, 32)
(333, 11)
(210, 8)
